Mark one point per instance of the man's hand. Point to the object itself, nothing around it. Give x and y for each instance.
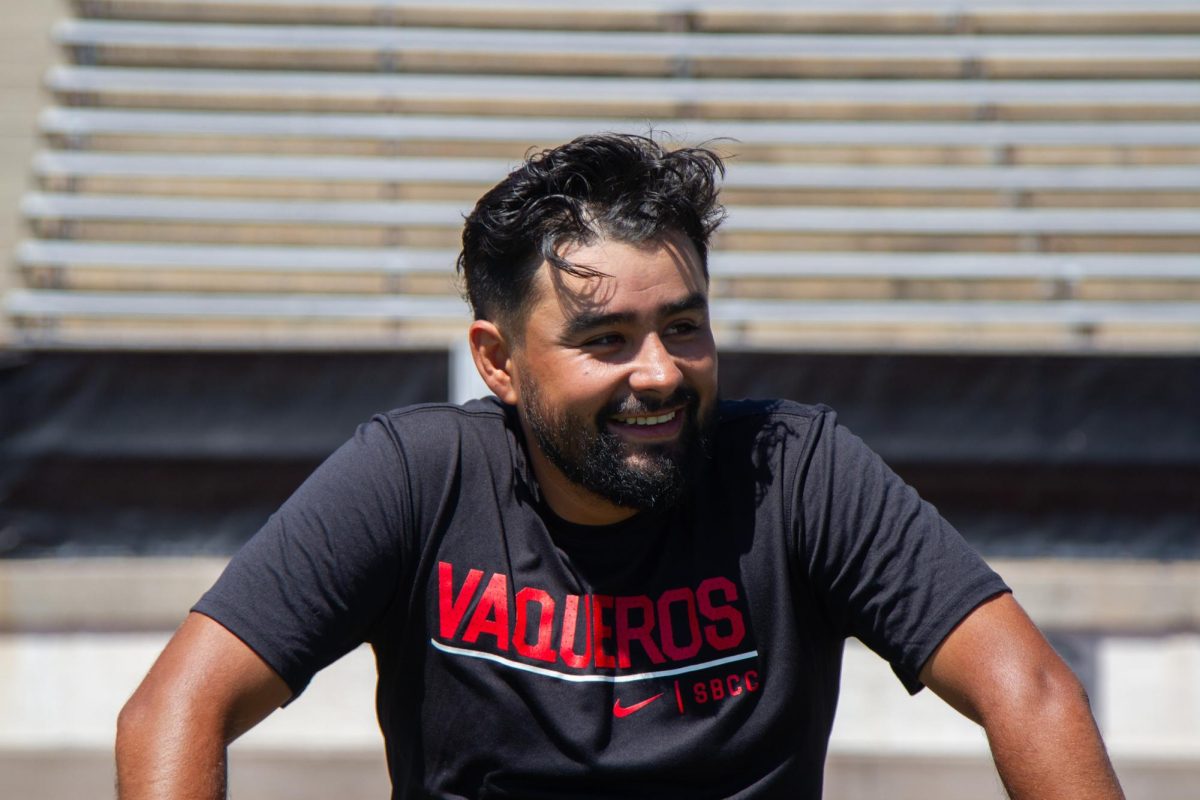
(997, 669)
(206, 689)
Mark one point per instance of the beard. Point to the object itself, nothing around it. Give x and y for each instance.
(641, 477)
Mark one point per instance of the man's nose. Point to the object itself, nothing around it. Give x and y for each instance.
(654, 368)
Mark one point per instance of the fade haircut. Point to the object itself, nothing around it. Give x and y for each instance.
(622, 187)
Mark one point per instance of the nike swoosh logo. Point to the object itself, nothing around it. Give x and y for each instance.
(621, 711)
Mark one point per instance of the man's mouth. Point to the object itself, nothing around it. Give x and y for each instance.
(645, 419)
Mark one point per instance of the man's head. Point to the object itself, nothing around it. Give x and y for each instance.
(606, 186)
(586, 270)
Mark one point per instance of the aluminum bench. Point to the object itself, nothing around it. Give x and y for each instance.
(702, 55)
(365, 178)
(847, 16)
(969, 143)
(234, 90)
(347, 223)
(119, 266)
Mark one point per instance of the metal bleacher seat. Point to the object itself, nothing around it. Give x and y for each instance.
(705, 55)
(848, 16)
(606, 96)
(864, 142)
(437, 224)
(900, 175)
(323, 177)
(430, 224)
(126, 266)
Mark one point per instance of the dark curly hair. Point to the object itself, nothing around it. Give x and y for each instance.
(618, 186)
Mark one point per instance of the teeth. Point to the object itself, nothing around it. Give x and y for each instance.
(647, 420)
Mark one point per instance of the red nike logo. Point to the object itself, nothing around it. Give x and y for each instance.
(621, 711)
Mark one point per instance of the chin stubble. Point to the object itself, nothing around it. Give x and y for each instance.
(588, 454)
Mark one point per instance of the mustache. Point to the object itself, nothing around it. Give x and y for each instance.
(633, 404)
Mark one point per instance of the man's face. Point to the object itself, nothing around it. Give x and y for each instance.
(617, 378)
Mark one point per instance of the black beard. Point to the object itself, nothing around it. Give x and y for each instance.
(596, 459)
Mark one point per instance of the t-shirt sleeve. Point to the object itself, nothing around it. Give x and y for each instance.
(313, 582)
(887, 567)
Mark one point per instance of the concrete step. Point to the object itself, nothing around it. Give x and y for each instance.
(62, 693)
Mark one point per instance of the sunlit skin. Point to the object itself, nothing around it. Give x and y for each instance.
(636, 335)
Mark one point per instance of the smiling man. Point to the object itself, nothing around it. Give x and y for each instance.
(614, 376)
(604, 581)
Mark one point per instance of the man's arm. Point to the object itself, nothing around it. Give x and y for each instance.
(997, 669)
(206, 689)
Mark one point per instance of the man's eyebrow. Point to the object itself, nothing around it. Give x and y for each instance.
(696, 301)
(586, 320)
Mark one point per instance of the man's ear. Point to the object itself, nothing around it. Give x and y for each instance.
(493, 358)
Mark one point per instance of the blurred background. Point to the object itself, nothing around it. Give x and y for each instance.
(228, 230)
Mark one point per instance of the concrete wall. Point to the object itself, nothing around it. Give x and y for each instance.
(25, 53)
(76, 637)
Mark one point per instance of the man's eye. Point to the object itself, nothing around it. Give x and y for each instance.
(682, 327)
(607, 340)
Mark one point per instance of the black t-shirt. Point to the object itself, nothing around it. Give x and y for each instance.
(693, 652)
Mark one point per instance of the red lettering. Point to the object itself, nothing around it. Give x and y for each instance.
(451, 609)
(491, 615)
(666, 624)
(601, 632)
(627, 632)
(566, 647)
(717, 689)
(615, 632)
(721, 613)
(541, 649)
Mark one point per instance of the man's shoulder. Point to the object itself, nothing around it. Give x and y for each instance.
(732, 413)
(485, 410)
(766, 425)
(446, 426)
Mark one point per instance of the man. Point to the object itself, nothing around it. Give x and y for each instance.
(604, 582)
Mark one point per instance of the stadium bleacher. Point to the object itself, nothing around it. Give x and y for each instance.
(296, 153)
